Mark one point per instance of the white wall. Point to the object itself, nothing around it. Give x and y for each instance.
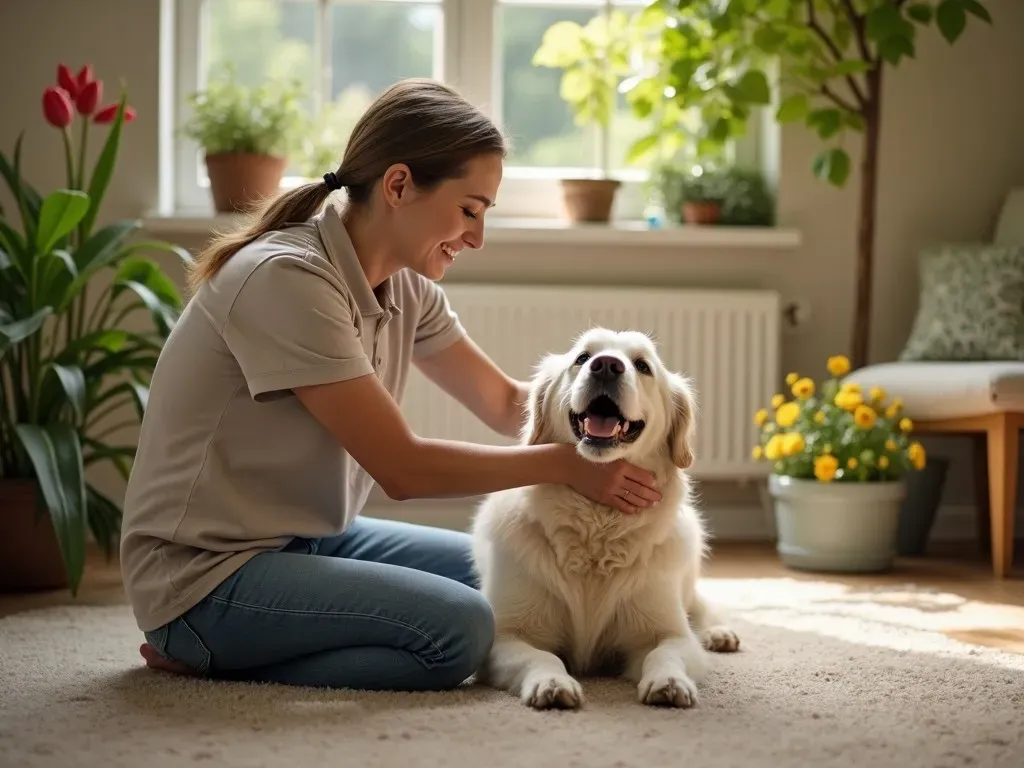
(951, 147)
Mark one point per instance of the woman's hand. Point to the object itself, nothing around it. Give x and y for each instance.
(617, 484)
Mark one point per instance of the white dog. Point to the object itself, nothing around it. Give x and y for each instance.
(581, 588)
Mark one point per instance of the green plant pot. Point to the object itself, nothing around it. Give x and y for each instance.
(836, 527)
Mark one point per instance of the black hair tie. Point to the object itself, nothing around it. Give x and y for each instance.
(332, 181)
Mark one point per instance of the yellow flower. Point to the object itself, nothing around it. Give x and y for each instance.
(838, 365)
(787, 414)
(777, 401)
(848, 399)
(757, 453)
(877, 394)
(792, 443)
(825, 468)
(791, 379)
(773, 449)
(864, 417)
(851, 463)
(906, 424)
(850, 386)
(917, 455)
(761, 417)
(883, 462)
(890, 445)
(819, 417)
(803, 388)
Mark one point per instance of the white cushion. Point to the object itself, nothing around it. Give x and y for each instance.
(947, 390)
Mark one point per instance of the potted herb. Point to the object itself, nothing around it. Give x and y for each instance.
(839, 462)
(247, 134)
(702, 197)
(593, 59)
(67, 364)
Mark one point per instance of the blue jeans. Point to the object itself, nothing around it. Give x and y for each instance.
(386, 606)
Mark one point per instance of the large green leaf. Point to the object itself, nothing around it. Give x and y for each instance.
(104, 520)
(56, 456)
(14, 245)
(33, 200)
(159, 245)
(19, 330)
(165, 314)
(102, 248)
(104, 168)
(832, 165)
(62, 210)
(72, 380)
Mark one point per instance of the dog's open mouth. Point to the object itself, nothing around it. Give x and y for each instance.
(603, 424)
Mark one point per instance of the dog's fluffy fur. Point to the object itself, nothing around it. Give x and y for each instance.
(580, 588)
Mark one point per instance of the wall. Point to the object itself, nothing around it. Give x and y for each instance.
(950, 149)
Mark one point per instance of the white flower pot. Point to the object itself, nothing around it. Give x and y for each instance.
(839, 527)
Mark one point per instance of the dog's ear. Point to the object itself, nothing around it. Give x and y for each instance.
(545, 375)
(681, 419)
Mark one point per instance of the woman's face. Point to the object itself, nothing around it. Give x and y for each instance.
(430, 228)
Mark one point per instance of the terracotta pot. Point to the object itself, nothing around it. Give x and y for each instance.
(704, 212)
(589, 199)
(29, 553)
(239, 180)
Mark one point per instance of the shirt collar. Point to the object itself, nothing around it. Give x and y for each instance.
(343, 254)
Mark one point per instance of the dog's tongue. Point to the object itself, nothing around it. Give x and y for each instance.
(601, 426)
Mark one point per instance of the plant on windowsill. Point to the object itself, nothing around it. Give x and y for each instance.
(594, 58)
(247, 134)
(839, 461)
(68, 364)
(739, 197)
(832, 56)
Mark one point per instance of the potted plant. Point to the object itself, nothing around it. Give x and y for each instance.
(594, 58)
(66, 362)
(247, 134)
(839, 459)
(702, 197)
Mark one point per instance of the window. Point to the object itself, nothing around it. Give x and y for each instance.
(348, 51)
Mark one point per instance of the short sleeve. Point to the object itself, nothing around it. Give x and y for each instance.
(438, 325)
(292, 325)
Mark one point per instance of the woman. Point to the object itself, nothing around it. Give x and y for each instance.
(271, 415)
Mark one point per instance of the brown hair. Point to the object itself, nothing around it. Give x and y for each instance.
(420, 122)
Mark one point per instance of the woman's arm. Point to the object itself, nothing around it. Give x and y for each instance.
(365, 419)
(465, 372)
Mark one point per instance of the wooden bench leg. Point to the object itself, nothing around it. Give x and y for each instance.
(1003, 454)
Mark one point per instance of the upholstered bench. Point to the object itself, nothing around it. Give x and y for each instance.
(981, 398)
(962, 368)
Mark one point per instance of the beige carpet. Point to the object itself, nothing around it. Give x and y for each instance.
(827, 677)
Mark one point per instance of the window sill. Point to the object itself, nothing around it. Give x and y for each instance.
(544, 231)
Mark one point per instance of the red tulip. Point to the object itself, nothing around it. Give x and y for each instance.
(67, 81)
(109, 112)
(57, 107)
(89, 97)
(84, 77)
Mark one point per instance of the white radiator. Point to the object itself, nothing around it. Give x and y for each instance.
(727, 341)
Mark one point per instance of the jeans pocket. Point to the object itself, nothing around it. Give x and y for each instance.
(184, 644)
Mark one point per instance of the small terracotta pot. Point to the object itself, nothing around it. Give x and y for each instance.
(589, 199)
(239, 180)
(29, 553)
(703, 212)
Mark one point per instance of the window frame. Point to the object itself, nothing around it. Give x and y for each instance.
(467, 59)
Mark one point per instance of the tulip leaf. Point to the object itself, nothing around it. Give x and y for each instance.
(72, 379)
(33, 201)
(19, 330)
(61, 212)
(104, 168)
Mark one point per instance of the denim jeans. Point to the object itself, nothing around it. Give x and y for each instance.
(386, 605)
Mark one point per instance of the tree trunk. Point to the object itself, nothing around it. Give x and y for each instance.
(861, 332)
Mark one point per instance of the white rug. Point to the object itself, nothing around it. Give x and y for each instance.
(827, 677)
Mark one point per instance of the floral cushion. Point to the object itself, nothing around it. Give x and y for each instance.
(971, 305)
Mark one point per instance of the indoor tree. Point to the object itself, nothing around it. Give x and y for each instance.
(715, 57)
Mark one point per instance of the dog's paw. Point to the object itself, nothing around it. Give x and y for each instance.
(661, 690)
(720, 639)
(552, 692)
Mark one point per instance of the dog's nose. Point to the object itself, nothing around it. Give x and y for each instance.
(607, 367)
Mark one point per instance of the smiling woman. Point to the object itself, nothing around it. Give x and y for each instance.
(272, 413)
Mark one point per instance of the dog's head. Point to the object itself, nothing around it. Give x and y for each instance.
(612, 396)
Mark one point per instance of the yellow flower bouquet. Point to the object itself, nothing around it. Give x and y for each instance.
(835, 432)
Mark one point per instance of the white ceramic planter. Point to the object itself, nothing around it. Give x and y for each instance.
(839, 527)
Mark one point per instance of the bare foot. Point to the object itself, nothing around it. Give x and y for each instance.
(155, 661)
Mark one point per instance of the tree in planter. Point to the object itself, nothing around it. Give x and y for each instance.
(66, 362)
(832, 55)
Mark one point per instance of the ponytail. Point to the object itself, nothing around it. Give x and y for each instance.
(294, 206)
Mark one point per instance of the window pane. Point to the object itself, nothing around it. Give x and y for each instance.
(538, 120)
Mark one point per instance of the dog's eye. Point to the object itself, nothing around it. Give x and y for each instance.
(584, 356)
(641, 365)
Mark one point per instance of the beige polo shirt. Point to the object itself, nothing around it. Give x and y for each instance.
(229, 462)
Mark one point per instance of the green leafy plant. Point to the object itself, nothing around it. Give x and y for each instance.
(744, 194)
(229, 116)
(714, 57)
(66, 363)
